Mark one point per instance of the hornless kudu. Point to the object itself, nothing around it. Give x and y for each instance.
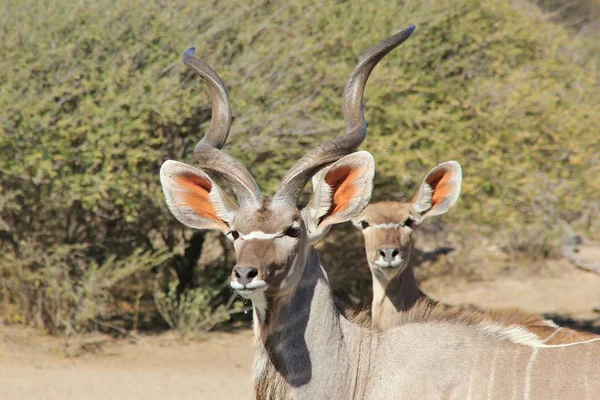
(304, 348)
(387, 228)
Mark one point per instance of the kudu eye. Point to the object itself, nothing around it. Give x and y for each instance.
(409, 222)
(233, 235)
(364, 224)
(292, 231)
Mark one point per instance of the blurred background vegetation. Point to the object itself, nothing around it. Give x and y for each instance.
(94, 97)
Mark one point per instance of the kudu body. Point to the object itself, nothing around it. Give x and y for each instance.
(387, 229)
(304, 348)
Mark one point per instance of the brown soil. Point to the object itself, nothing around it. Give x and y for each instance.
(558, 290)
(151, 368)
(162, 367)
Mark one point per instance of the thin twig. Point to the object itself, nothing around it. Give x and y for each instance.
(116, 328)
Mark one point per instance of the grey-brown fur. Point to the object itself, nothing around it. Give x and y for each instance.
(304, 348)
(435, 353)
(396, 290)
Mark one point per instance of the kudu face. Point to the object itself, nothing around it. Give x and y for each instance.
(387, 226)
(272, 236)
(268, 245)
(271, 242)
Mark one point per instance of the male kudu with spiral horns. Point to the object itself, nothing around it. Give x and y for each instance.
(304, 348)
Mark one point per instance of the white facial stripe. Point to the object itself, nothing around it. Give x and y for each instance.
(236, 286)
(384, 264)
(390, 225)
(254, 284)
(260, 235)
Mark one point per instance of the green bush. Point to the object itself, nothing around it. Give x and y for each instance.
(64, 290)
(192, 313)
(94, 96)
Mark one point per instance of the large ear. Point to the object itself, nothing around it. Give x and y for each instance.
(194, 198)
(340, 192)
(439, 191)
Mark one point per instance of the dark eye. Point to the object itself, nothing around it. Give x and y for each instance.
(292, 231)
(234, 234)
(409, 222)
(364, 224)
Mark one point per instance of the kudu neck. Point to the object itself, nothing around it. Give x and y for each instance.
(302, 336)
(391, 296)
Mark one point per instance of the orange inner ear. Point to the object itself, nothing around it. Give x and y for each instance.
(196, 195)
(341, 181)
(440, 183)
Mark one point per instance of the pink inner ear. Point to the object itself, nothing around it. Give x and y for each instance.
(341, 180)
(196, 196)
(440, 182)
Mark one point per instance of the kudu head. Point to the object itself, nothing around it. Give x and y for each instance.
(387, 226)
(272, 236)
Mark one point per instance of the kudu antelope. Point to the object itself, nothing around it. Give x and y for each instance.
(387, 229)
(304, 348)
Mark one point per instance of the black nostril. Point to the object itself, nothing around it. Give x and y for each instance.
(388, 254)
(245, 275)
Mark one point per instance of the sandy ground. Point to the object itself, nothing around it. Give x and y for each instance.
(153, 368)
(33, 367)
(558, 288)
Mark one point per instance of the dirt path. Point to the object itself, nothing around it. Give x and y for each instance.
(32, 367)
(156, 368)
(559, 288)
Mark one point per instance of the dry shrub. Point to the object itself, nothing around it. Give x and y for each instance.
(94, 97)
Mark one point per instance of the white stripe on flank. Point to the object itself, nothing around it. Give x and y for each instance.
(490, 390)
(527, 394)
(471, 376)
(521, 335)
(550, 323)
(515, 334)
(469, 397)
(556, 346)
(515, 375)
(551, 336)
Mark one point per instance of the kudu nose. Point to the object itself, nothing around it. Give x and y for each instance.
(388, 254)
(244, 275)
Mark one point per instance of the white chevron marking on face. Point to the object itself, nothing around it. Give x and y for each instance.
(260, 235)
(390, 225)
